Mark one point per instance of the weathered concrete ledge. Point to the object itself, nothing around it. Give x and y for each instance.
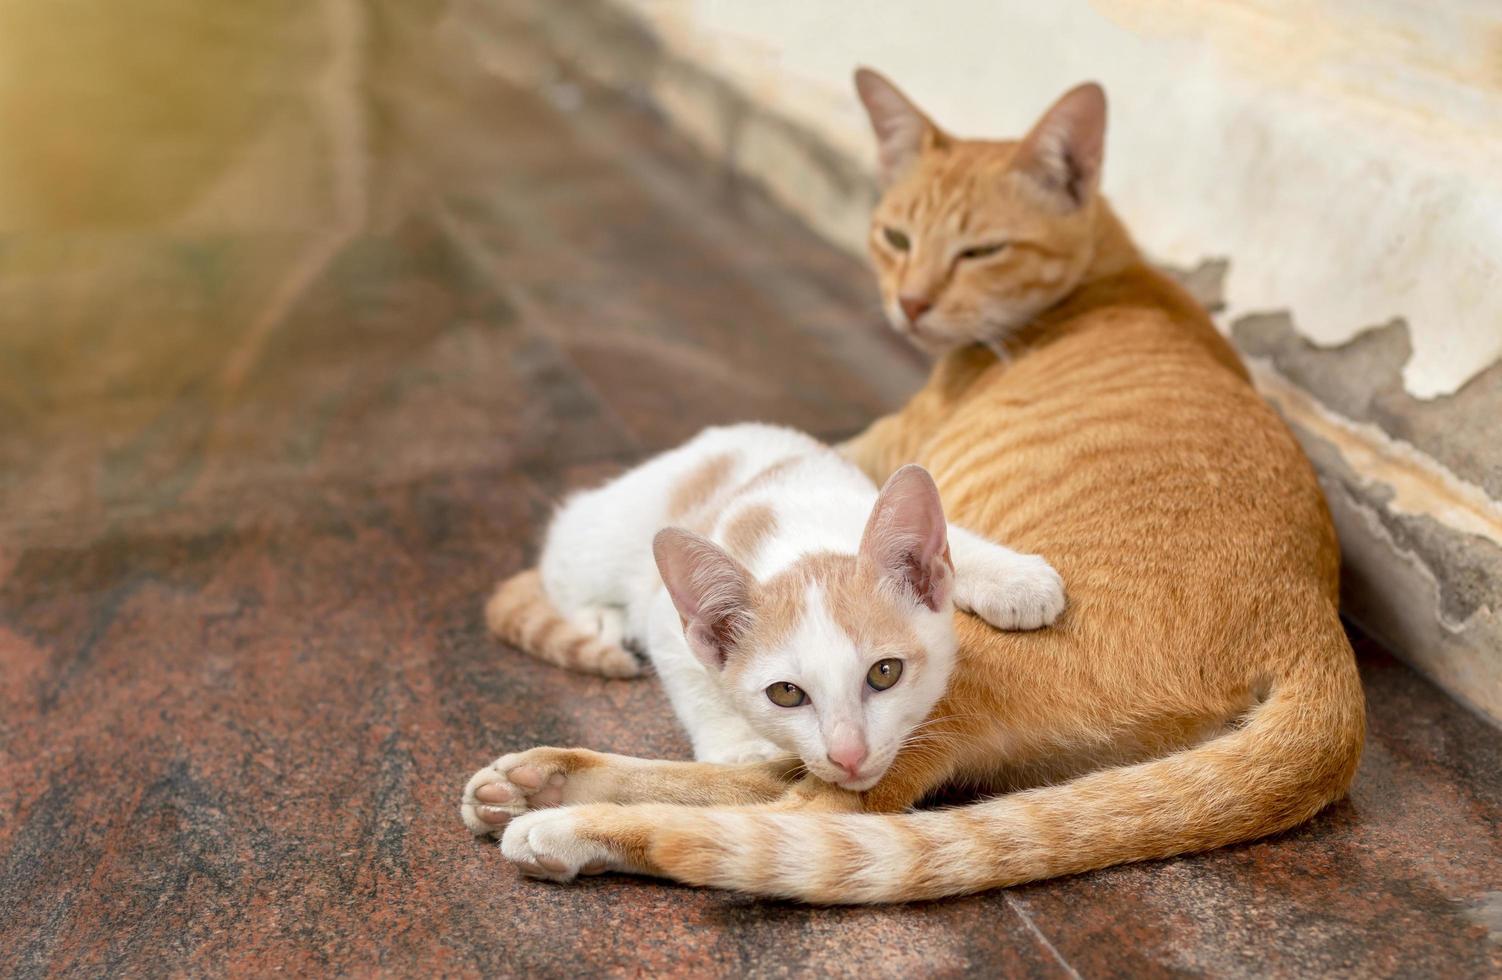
(1414, 485)
(1411, 486)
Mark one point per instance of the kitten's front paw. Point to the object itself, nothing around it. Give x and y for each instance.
(516, 784)
(545, 844)
(1022, 594)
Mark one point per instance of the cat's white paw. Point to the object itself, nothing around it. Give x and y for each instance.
(1023, 592)
(544, 844)
(513, 785)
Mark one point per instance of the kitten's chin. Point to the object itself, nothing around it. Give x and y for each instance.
(866, 779)
(862, 784)
(837, 777)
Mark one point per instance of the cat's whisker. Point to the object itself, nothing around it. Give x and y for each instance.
(930, 739)
(943, 719)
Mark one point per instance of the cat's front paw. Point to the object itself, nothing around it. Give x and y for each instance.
(519, 783)
(546, 844)
(1024, 593)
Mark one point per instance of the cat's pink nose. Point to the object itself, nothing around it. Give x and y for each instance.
(914, 306)
(848, 756)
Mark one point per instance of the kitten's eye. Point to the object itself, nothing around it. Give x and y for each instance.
(786, 695)
(883, 674)
(983, 251)
(895, 238)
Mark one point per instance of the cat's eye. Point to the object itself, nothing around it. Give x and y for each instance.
(895, 238)
(883, 674)
(983, 251)
(786, 695)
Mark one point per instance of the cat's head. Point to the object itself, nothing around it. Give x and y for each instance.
(840, 657)
(973, 238)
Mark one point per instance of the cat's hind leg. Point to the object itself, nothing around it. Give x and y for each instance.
(605, 623)
(522, 613)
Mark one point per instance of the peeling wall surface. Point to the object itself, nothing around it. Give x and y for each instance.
(1331, 169)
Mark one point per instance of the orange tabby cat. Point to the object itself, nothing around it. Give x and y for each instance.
(1198, 691)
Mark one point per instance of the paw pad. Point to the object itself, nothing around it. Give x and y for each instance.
(509, 787)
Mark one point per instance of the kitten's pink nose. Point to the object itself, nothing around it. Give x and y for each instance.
(848, 756)
(914, 306)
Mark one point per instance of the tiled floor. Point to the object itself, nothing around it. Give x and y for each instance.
(273, 421)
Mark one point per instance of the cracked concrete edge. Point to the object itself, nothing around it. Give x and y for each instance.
(1362, 380)
(1424, 578)
(1413, 485)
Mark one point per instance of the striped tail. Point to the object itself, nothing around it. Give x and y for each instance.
(1296, 753)
(521, 614)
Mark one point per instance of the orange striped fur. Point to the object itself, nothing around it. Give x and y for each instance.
(1200, 689)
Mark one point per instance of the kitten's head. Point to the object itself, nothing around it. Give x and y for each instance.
(840, 657)
(971, 239)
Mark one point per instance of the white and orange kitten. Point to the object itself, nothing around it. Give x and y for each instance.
(790, 609)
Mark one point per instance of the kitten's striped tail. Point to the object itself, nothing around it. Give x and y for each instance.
(1295, 754)
(521, 614)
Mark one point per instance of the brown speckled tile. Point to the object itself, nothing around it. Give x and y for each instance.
(268, 435)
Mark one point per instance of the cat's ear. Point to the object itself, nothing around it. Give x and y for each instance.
(907, 539)
(903, 132)
(710, 590)
(1064, 150)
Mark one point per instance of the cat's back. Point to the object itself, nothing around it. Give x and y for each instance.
(798, 502)
(1188, 527)
(1128, 445)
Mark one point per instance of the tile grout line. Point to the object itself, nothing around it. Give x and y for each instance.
(1027, 920)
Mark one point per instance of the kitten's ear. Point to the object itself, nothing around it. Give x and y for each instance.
(907, 538)
(1064, 150)
(710, 589)
(903, 132)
